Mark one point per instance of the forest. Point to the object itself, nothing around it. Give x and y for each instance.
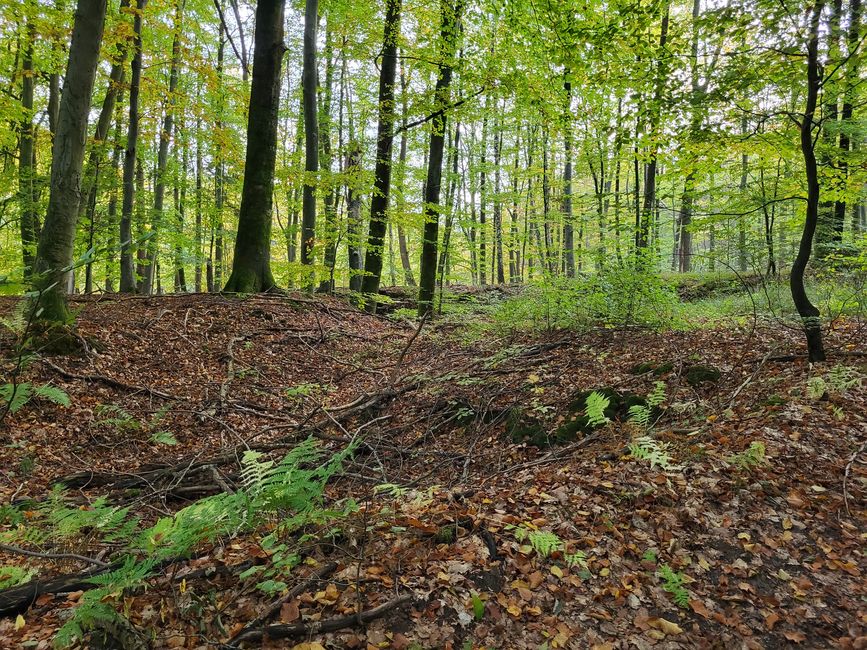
(458, 324)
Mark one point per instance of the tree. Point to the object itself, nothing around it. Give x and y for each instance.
(56, 241)
(450, 11)
(251, 266)
(127, 269)
(28, 194)
(808, 312)
(384, 141)
(309, 83)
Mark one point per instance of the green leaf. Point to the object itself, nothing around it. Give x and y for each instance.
(164, 438)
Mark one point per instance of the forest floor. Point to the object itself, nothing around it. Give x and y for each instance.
(771, 551)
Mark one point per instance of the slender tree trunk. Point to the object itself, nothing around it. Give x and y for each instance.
(309, 83)
(251, 265)
(401, 234)
(127, 268)
(163, 152)
(330, 198)
(483, 198)
(568, 236)
(56, 241)
(451, 16)
(849, 99)
(382, 168)
(28, 194)
(646, 222)
(498, 203)
(808, 312)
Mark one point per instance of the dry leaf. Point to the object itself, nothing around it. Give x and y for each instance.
(664, 626)
(289, 612)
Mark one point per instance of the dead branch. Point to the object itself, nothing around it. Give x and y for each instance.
(114, 383)
(328, 625)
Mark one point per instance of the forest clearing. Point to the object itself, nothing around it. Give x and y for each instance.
(459, 325)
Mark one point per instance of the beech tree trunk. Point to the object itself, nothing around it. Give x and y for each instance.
(382, 168)
(451, 14)
(55, 247)
(28, 194)
(251, 265)
(309, 83)
(127, 268)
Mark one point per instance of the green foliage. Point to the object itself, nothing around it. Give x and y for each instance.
(642, 414)
(595, 411)
(123, 421)
(672, 582)
(288, 494)
(654, 452)
(16, 396)
(751, 457)
(545, 543)
(478, 607)
(12, 576)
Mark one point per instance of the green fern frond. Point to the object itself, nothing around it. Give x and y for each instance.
(595, 410)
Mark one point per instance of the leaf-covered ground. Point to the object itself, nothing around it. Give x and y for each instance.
(496, 544)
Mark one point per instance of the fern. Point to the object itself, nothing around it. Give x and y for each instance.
(751, 457)
(544, 542)
(294, 487)
(672, 582)
(595, 411)
(651, 450)
(640, 415)
(657, 395)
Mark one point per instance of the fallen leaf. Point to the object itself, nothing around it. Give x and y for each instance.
(794, 635)
(289, 612)
(664, 626)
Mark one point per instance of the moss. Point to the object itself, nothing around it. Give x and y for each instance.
(663, 368)
(774, 400)
(522, 428)
(698, 374)
(643, 367)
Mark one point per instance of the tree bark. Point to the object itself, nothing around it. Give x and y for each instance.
(309, 83)
(251, 265)
(568, 236)
(808, 312)
(451, 15)
(382, 169)
(127, 268)
(28, 194)
(55, 247)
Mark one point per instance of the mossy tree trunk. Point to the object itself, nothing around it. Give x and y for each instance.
(251, 266)
(55, 248)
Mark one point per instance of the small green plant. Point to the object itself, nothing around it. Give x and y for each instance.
(672, 582)
(595, 411)
(649, 556)
(13, 397)
(544, 542)
(653, 451)
(12, 576)
(123, 421)
(641, 414)
(751, 457)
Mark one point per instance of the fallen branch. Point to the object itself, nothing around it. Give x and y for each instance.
(53, 556)
(114, 383)
(274, 607)
(328, 625)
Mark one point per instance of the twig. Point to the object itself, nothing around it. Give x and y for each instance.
(406, 348)
(852, 458)
(749, 379)
(328, 625)
(54, 556)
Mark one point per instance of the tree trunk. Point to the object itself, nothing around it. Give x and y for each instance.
(330, 198)
(451, 16)
(401, 234)
(568, 236)
(354, 221)
(127, 268)
(808, 312)
(28, 194)
(382, 169)
(498, 204)
(309, 83)
(55, 247)
(251, 265)
(163, 152)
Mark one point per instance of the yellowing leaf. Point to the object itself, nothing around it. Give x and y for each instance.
(557, 571)
(664, 626)
(19, 622)
(312, 645)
